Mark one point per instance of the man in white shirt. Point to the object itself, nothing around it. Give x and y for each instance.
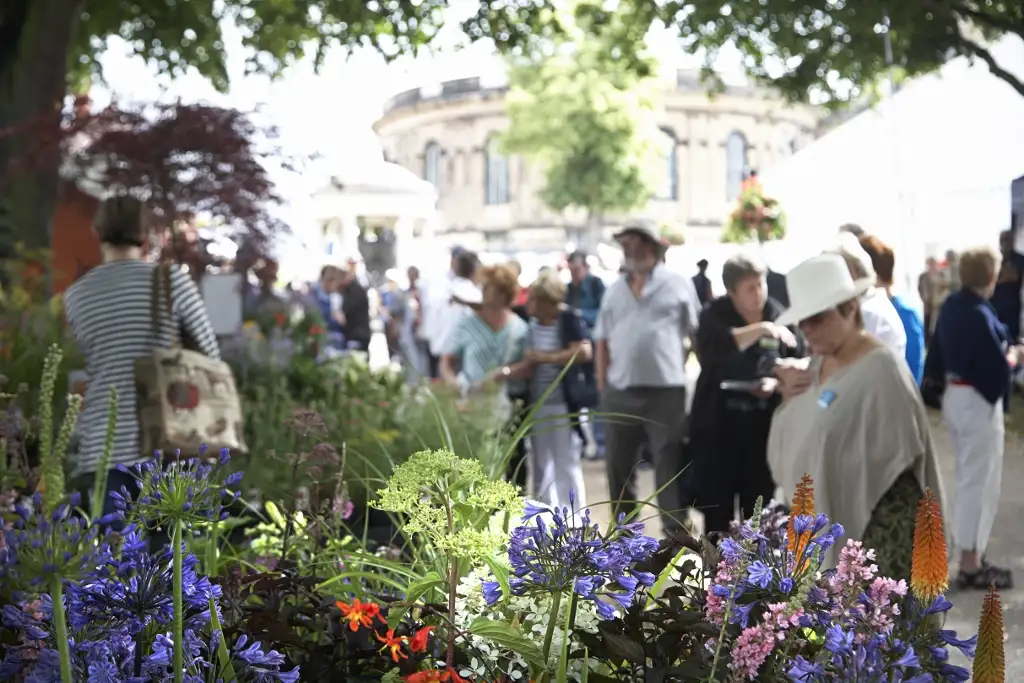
(441, 313)
(881, 320)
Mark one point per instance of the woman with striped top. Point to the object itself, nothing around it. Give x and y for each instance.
(556, 337)
(110, 313)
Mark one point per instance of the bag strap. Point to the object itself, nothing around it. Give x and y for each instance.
(161, 284)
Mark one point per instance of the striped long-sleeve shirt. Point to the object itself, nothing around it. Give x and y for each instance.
(109, 310)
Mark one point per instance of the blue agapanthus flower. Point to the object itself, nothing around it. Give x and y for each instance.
(42, 546)
(134, 589)
(188, 491)
(570, 554)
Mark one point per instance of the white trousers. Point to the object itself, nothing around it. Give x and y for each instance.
(977, 431)
(554, 461)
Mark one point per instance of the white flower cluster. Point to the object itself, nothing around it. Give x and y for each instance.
(530, 614)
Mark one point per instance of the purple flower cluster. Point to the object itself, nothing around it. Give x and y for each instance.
(566, 556)
(189, 491)
(113, 612)
(39, 547)
(869, 629)
(118, 597)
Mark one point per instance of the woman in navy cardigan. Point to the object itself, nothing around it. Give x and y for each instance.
(976, 355)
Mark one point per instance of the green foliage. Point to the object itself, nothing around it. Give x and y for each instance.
(371, 417)
(586, 114)
(176, 35)
(450, 501)
(822, 47)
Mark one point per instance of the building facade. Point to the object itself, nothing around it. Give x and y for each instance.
(450, 137)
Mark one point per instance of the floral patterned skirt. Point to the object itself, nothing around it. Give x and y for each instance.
(891, 528)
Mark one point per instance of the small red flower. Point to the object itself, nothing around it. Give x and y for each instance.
(316, 330)
(448, 675)
(393, 643)
(418, 643)
(280, 319)
(359, 614)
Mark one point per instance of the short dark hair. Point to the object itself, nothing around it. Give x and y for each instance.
(739, 268)
(702, 264)
(466, 263)
(122, 221)
(578, 257)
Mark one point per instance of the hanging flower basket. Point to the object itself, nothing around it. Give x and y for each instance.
(672, 237)
(756, 217)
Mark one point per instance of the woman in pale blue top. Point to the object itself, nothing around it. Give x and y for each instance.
(488, 346)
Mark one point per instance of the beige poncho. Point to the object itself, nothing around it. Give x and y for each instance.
(855, 434)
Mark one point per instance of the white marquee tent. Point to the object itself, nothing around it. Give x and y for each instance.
(928, 169)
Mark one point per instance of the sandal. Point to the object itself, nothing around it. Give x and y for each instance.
(988, 575)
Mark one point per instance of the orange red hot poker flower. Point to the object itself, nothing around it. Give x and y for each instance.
(803, 504)
(989, 657)
(929, 571)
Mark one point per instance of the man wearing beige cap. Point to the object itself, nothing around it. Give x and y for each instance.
(646, 319)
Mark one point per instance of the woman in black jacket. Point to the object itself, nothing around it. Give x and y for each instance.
(738, 343)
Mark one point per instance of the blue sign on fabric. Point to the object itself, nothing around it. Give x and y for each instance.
(826, 398)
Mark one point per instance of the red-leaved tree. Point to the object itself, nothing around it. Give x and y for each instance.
(185, 159)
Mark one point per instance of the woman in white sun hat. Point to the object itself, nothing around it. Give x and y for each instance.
(855, 422)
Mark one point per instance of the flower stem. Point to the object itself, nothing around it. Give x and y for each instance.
(556, 600)
(179, 630)
(210, 564)
(60, 625)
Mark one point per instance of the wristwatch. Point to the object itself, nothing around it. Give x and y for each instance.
(506, 371)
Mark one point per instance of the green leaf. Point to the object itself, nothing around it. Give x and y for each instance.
(500, 575)
(624, 648)
(227, 669)
(416, 590)
(507, 636)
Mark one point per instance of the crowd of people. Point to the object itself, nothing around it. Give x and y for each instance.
(832, 382)
(824, 371)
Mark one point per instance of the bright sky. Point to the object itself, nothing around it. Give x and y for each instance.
(330, 113)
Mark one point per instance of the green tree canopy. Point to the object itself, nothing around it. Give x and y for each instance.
(836, 49)
(584, 112)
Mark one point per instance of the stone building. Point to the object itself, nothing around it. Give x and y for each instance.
(448, 136)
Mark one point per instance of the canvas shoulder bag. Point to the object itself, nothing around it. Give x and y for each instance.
(185, 399)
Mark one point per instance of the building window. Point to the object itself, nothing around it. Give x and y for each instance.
(495, 173)
(735, 164)
(432, 164)
(667, 186)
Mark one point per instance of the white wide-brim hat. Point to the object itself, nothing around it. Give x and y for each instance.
(818, 284)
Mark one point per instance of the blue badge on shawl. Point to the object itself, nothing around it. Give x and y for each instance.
(826, 398)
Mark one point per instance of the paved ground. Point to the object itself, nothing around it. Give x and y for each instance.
(1006, 547)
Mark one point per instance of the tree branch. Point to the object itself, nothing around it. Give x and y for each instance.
(986, 19)
(975, 50)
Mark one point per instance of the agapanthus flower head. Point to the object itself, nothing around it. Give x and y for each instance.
(41, 546)
(133, 590)
(929, 573)
(566, 553)
(803, 504)
(189, 491)
(989, 658)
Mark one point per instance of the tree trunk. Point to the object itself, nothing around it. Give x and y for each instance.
(592, 234)
(34, 42)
